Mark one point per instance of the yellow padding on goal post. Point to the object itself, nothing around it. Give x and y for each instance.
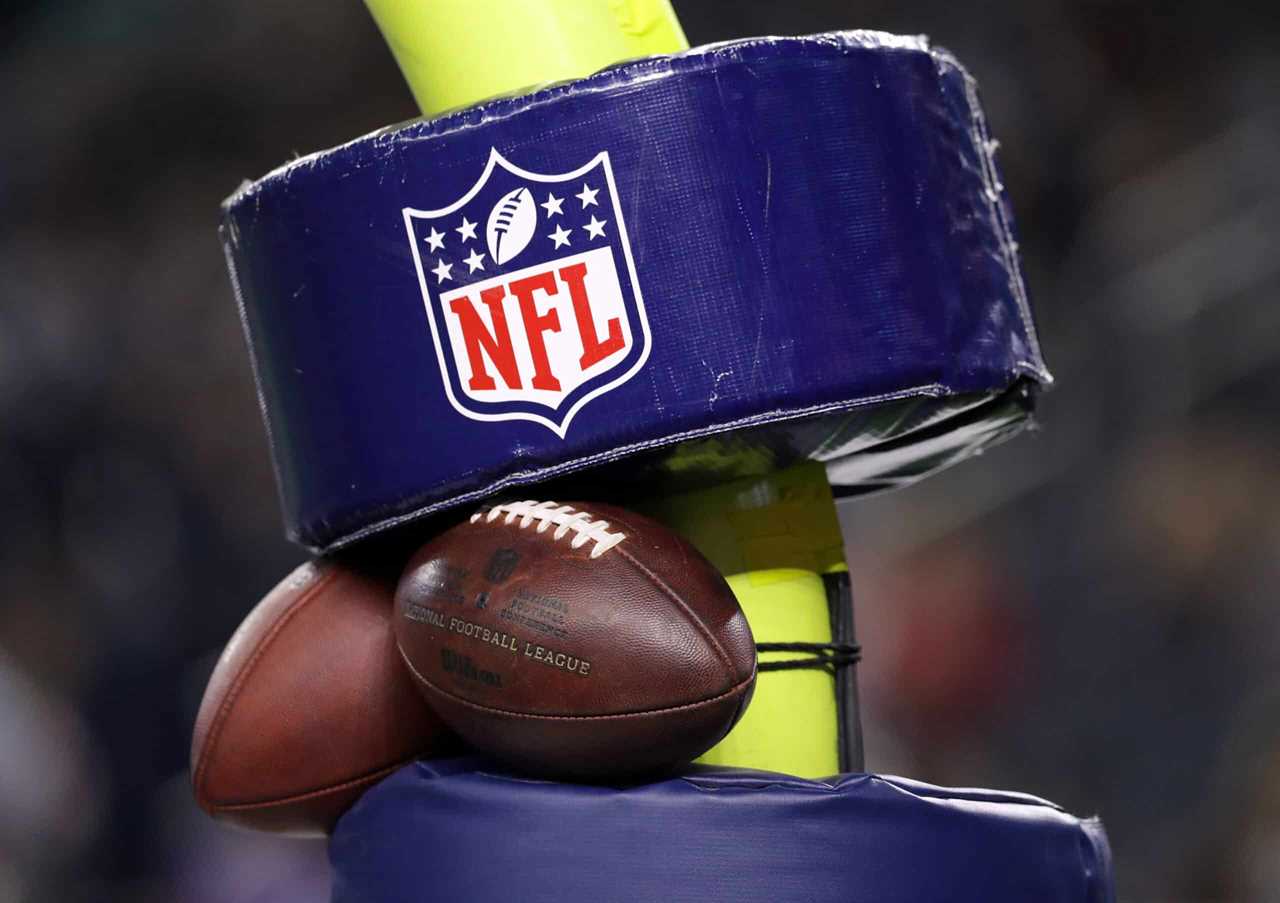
(455, 53)
(790, 725)
(775, 533)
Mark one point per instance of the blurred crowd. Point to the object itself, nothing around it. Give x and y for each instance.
(1088, 613)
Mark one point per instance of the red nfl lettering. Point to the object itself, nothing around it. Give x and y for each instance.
(497, 343)
(535, 324)
(497, 346)
(540, 312)
(593, 350)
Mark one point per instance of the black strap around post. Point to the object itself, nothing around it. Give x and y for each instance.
(829, 657)
(839, 658)
(840, 604)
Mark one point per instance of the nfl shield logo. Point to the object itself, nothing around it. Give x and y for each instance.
(531, 292)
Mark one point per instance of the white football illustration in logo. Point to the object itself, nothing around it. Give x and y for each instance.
(511, 225)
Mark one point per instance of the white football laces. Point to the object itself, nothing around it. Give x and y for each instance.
(563, 517)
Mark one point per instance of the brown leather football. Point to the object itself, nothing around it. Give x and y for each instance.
(309, 704)
(579, 642)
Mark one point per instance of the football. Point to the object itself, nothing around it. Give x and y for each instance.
(580, 642)
(309, 705)
(511, 224)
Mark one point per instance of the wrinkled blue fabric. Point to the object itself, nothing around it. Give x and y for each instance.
(452, 830)
(817, 225)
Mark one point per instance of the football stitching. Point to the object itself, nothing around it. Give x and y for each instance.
(506, 213)
(219, 720)
(563, 516)
(548, 512)
(320, 791)
(736, 688)
(689, 613)
(503, 217)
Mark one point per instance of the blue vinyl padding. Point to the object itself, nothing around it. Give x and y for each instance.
(815, 226)
(452, 830)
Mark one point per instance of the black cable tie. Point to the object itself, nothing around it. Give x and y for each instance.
(822, 656)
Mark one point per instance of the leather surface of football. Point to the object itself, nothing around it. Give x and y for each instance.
(579, 641)
(309, 705)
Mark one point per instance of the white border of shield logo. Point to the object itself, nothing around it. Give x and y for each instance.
(496, 159)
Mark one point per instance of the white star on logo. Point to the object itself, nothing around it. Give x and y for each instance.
(475, 261)
(552, 204)
(560, 237)
(467, 229)
(435, 239)
(595, 228)
(442, 271)
(587, 196)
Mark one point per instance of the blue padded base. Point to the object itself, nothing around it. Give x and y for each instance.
(451, 830)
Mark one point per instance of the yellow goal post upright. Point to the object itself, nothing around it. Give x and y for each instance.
(775, 536)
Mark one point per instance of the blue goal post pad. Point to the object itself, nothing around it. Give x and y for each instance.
(452, 830)
(690, 267)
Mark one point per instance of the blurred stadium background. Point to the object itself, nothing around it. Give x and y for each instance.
(1089, 614)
